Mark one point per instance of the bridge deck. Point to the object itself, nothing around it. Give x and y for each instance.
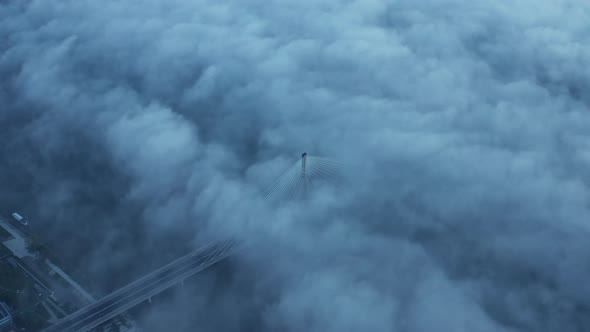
(138, 291)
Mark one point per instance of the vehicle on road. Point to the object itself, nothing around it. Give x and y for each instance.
(20, 218)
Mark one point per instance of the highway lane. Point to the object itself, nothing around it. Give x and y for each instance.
(138, 291)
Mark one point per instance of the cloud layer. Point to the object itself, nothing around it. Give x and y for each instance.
(137, 129)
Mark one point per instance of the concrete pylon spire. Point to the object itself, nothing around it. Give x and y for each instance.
(304, 171)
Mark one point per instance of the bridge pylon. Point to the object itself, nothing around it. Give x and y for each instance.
(304, 171)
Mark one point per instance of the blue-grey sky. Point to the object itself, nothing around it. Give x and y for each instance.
(139, 128)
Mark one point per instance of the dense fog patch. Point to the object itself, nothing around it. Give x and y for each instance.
(133, 131)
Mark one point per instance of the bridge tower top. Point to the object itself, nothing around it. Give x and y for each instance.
(304, 170)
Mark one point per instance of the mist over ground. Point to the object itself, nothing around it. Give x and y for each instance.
(132, 131)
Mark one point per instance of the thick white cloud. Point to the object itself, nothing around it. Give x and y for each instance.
(462, 127)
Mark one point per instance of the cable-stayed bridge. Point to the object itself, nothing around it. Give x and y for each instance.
(294, 182)
(144, 288)
(300, 177)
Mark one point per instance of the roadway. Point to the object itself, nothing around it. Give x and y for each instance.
(144, 288)
(18, 243)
